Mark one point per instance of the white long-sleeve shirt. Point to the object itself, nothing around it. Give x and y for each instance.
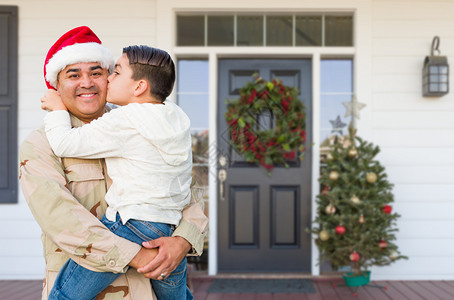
(148, 155)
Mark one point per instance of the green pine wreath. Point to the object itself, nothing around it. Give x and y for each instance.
(269, 147)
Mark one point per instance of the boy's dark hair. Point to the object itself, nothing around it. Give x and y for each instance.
(154, 65)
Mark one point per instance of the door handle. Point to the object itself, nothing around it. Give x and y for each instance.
(222, 176)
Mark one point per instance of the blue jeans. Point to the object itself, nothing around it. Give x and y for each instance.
(77, 283)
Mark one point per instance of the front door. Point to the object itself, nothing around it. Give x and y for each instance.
(262, 219)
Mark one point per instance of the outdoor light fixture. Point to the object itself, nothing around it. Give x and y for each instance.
(435, 73)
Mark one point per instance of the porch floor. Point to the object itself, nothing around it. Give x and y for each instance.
(397, 290)
(332, 289)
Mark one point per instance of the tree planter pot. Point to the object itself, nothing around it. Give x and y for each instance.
(351, 280)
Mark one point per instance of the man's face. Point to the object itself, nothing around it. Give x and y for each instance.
(83, 89)
(121, 85)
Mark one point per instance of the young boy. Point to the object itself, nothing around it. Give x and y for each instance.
(147, 146)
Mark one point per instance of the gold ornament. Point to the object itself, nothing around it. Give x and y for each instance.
(393, 255)
(329, 157)
(324, 235)
(333, 175)
(355, 199)
(371, 177)
(361, 219)
(330, 209)
(352, 152)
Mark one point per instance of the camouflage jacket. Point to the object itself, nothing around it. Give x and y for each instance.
(66, 197)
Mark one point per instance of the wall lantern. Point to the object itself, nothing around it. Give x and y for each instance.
(435, 73)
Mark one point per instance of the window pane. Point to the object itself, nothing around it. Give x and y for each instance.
(200, 147)
(433, 69)
(279, 31)
(336, 87)
(220, 30)
(338, 31)
(433, 87)
(193, 91)
(308, 31)
(200, 167)
(192, 76)
(336, 76)
(433, 78)
(332, 113)
(200, 190)
(249, 31)
(196, 107)
(190, 30)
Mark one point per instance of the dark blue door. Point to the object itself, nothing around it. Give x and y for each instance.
(262, 219)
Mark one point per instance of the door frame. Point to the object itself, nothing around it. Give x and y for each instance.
(213, 62)
(213, 55)
(300, 254)
(361, 52)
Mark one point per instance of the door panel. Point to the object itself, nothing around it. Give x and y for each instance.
(262, 219)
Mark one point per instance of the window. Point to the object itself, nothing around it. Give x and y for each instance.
(336, 86)
(249, 31)
(192, 97)
(8, 104)
(292, 30)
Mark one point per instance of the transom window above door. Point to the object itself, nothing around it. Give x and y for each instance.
(268, 30)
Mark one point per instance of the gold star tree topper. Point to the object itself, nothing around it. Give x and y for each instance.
(353, 107)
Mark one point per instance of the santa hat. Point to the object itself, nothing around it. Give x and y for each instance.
(79, 45)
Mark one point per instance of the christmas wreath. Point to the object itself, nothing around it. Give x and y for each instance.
(268, 146)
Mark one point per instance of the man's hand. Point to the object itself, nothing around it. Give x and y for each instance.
(52, 101)
(172, 250)
(143, 257)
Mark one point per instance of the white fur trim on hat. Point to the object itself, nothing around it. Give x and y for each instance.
(78, 53)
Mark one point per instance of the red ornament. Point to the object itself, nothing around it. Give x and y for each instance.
(354, 256)
(382, 244)
(387, 209)
(340, 229)
(325, 190)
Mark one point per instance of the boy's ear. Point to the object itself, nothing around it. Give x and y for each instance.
(141, 87)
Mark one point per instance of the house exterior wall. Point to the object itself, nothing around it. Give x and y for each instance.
(416, 134)
(118, 24)
(392, 37)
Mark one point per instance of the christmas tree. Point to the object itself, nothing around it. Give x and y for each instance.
(355, 225)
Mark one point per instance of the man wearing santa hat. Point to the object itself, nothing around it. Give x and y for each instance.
(66, 195)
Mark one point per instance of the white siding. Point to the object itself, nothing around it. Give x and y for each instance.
(118, 24)
(392, 38)
(416, 134)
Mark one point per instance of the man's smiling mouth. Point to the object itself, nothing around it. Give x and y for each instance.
(87, 95)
